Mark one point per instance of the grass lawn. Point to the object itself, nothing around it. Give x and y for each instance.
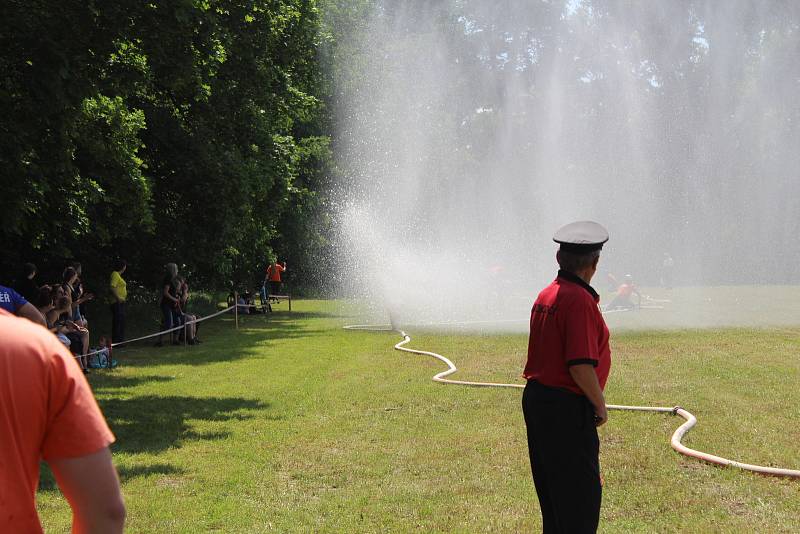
(292, 424)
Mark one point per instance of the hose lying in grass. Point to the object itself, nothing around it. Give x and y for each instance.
(677, 436)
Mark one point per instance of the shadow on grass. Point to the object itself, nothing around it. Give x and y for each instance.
(47, 481)
(222, 343)
(127, 473)
(225, 321)
(283, 315)
(153, 424)
(103, 381)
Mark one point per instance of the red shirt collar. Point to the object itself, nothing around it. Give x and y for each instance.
(574, 278)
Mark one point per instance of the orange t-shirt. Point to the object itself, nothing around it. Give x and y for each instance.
(47, 410)
(274, 272)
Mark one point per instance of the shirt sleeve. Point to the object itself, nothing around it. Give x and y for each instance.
(75, 425)
(580, 335)
(16, 299)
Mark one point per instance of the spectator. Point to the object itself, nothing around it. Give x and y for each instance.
(119, 294)
(79, 296)
(77, 334)
(47, 411)
(44, 303)
(274, 275)
(25, 284)
(102, 355)
(264, 294)
(70, 284)
(68, 279)
(170, 303)
(13, 302)
(241, 305)
(189, 320)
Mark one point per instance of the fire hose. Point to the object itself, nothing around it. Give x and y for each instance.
(675, 441)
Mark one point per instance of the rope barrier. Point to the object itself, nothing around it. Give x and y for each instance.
(675, 441)
(150, 336)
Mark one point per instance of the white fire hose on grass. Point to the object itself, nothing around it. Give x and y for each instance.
(675, 441)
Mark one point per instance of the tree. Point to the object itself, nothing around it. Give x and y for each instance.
(163, 131)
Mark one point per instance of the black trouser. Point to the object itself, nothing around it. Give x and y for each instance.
(563, 448)
(117, 322)
(274, 287)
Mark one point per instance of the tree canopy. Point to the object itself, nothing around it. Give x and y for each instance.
(187, 132)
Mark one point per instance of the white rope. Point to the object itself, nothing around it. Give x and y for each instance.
(149, 336)
(675, 441)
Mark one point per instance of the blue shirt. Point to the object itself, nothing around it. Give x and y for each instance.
(10, 300)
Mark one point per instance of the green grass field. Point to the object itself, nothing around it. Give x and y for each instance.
(291, 424)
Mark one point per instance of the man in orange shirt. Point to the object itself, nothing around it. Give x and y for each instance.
(274, 275)
(47, 411)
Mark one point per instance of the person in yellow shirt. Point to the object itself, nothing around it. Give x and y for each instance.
(119, 294)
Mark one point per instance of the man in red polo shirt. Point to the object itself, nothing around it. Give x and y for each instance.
(568, 364)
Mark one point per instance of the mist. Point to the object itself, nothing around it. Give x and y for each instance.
(469, 131)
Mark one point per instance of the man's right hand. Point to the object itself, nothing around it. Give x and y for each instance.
(600, 416)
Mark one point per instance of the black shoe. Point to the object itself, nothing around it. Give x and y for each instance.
(158, 344)
(85, 371)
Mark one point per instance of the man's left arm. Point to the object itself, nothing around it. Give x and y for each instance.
(583, 374)
(582, 355)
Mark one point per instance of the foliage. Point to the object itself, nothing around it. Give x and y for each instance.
(187, 131)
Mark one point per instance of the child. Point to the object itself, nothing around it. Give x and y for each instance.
(102, 357)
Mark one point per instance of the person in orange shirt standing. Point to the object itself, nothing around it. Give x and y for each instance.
(274, 276)
(48, 411)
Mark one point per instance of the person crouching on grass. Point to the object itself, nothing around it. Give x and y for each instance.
(563, 404)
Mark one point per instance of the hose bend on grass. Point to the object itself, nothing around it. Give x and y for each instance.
(675, 441)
